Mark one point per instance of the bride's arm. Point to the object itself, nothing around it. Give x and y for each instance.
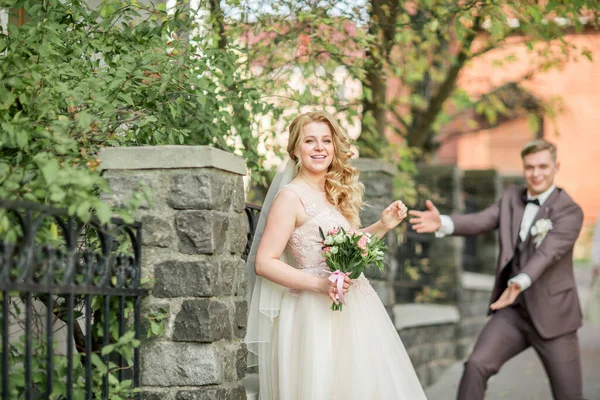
(281, 222)
(376, 229)
(390, 218)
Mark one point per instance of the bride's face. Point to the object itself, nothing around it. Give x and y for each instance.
(316, 147)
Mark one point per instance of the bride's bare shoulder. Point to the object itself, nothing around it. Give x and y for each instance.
(288, 196)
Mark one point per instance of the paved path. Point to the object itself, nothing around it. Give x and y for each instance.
(523, 377)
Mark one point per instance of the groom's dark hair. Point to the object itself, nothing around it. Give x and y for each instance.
(535, 146)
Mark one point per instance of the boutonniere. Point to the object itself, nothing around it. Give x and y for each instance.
(540, 230)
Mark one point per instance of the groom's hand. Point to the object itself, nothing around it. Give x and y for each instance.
(426, 221)
(508, 297)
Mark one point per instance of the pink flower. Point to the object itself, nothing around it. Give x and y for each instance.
(333, 231)
(362, 243)
(364, 253)
(326, 250)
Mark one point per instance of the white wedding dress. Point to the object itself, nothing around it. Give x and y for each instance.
(319, 354)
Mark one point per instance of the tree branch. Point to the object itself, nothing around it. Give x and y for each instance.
(420, 132)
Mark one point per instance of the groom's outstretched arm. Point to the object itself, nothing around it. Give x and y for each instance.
(430, 221)
(476, 223)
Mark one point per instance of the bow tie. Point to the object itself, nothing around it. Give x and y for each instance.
(527, 200)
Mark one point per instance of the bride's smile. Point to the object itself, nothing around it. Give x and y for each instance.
(317, 148)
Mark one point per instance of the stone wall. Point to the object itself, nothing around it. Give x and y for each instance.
(473, 307)
(377, 176)
(444, 257)
(193, 237)
(429, 334)
(481, 189)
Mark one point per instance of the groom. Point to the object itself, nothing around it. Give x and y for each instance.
(534, 301)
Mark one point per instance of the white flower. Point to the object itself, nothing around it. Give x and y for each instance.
(339, 239)
(333, 250)
(540, 230)
(329, 240)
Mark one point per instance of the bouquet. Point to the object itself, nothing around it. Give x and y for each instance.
(350, 253)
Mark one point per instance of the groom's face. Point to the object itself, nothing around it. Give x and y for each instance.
(539, 170)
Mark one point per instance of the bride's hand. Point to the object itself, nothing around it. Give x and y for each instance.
(393, 214)
(330, 288)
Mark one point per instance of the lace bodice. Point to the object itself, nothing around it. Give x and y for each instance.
(305, 242)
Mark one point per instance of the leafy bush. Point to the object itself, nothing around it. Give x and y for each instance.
(75, 79)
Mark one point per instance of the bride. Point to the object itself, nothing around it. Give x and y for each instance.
(304, 350)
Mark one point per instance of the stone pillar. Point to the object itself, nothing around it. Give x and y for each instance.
(193, 237)
(481, 188)
(476, 290)
(441, 270)
(378, 177)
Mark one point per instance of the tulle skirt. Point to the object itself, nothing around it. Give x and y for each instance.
(355, 354)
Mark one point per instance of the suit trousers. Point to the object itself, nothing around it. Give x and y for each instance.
(507, 333)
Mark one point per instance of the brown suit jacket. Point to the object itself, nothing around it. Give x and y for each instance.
(551, 300)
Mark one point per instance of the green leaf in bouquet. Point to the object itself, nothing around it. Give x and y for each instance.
(331, 264)
(321, 233)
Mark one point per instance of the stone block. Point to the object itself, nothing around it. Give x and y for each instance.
(234, 357)
(228, 273)
(232, 277)
(207, 393)
(201, 232)
(202, 320)
(148, 395)
(170, 157)
(471, 326)
(424, 315)
(377, 184)
(124, 184)
(446, 332)
(423, 375)
(420, 355)
(180, 364)
(184, 278)
(241, 318)
(187, 276)
(437, 368)
(444, 350)
(237, 234)
(210, 232)
(206, 189)
(236, 392)
(152, 256)
(371, 213)
(158, 229)
(240, 361)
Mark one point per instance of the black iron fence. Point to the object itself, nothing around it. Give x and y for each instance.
(415, 277)
(426, 270)
(71, 291)
(252, 213)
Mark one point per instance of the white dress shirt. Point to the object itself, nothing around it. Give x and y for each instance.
(529, 214)
(595, 256)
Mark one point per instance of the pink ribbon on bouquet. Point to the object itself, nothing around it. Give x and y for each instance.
(338, 276)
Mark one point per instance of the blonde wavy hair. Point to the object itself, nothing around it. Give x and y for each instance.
(342, 187)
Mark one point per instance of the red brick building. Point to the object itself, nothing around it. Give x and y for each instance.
(575, 130)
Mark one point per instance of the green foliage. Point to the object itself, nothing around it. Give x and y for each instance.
(326, 47)
(75, 79)
(102, 358)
